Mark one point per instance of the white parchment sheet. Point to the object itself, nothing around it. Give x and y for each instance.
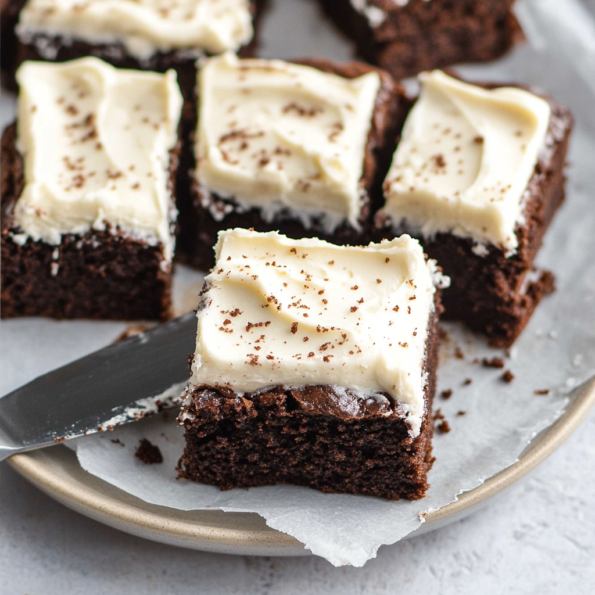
(556, 352)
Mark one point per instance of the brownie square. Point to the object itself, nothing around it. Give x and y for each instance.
(63, 255)
(291, 383)
(494, 286)
(204, 211)
(43, 39)
(407, 37)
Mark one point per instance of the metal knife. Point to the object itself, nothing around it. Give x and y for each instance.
(82, 397)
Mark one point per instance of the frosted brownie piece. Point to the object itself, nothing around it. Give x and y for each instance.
(315, 365)
(88, 178)
(148, 35)
(299, 148)
(477, 176)
(408, 36)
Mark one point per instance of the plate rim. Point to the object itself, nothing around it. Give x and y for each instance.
(149, 520)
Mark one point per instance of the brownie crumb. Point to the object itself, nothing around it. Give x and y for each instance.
(446, 394)
(438, 415)
(543, 391)
(133, 330)
(495, 362)
(118, 441)
(461, 413)
(148, 453)
(467, 382)
(443, 427)
(508, 376)
(459, 353)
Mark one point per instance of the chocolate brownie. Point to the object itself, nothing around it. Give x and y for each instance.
(494, 285)
(69, 254)
(407, 37)
(204, 211)
(315, 365)
(40, 41)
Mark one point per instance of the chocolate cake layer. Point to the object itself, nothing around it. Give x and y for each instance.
(203, 214)
(494, 293)
(315, 436)
(405, 38)
(98, 275)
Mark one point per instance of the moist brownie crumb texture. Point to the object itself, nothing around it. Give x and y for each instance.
(87, 217)
(315, 365)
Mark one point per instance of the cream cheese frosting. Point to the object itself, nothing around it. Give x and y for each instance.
(464, 160)
(142, 26)
(95, 142)
(300, 312)
(276, 135)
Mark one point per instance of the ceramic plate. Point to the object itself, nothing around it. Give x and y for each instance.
(56, 471)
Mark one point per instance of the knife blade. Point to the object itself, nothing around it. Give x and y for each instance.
(115, 385)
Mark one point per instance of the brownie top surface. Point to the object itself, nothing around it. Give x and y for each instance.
(274, 134)
(143, 26)
(287, 312)
(465, 159)
(95, 142)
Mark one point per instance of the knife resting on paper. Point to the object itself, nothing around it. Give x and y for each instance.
(119, 382)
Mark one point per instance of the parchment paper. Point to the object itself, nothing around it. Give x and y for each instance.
(556, 352)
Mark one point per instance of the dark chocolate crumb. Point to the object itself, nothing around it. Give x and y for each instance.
(133, 330)
(508, 376)
(495, 362)
(543, 391)
(461, 413)
(443, 427)
(148, 453)
(446, 394)
(467, 382)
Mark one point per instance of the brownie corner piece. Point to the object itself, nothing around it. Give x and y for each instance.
(276, 179)
(408, 37)
(489, 245)
(270, 400)
(111, 263)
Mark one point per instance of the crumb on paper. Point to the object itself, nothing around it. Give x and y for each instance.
(446, 394)
(459, 353)
(443, 427)
(438, 415)
(148, 453)
(542, 391)
(508, 376)
(118, 441)
(133, 330)
(461, 412)
(495, 362)
(467, 382)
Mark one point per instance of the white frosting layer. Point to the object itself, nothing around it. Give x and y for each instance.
(273, 134)
(143, 26)
(301, 312)
(465, 158)
(95, 142)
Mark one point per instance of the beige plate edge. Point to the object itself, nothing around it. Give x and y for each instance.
(59, 475)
